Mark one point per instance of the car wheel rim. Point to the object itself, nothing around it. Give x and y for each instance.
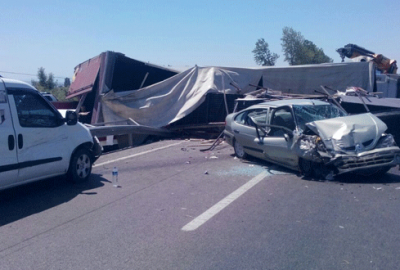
(239, 149)
(83, 166)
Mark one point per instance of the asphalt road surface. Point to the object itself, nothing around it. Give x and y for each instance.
(179, 208)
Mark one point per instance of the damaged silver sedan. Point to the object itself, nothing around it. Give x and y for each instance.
(314, 137)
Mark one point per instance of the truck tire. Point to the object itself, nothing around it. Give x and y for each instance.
(80, 167)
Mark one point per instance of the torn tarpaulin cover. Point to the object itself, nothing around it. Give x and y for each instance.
(168, 101)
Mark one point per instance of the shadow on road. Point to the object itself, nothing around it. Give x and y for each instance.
(23, 201)
(393, 176)
(390, 177)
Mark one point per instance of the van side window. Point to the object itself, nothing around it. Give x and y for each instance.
(34, 112)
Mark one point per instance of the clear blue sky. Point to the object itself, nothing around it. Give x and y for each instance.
(58, 35)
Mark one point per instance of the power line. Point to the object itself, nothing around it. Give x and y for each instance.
(17, 73)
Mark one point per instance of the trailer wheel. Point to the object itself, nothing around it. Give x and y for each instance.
(80, 167)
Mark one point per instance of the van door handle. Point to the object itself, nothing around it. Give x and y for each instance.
(20, 141)
(236, 131)
(11, 142)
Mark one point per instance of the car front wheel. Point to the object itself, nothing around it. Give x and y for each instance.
(239, 151)
(80, 167)
(306, 167)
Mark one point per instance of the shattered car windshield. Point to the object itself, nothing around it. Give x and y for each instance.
(309, 113)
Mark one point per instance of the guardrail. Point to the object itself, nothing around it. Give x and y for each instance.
(127, 128)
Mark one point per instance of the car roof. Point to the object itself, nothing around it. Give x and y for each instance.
(289, 102)
(10, 83)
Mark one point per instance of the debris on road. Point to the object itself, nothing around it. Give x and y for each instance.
(115, 177)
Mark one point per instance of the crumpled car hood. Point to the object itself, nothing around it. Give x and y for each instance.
(349, 133)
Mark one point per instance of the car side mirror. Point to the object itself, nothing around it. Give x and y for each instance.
(71, 118)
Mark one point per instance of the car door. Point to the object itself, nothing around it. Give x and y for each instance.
(40, 134)
(278, 148)
(8, 156)
(245, 130)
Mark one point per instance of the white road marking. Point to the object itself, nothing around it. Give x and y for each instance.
(135, 155)
(207, 215)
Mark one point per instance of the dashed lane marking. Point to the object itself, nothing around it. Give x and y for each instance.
(135, 155)
(211, 212)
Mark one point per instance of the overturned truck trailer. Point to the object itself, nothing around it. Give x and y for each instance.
(111, 70)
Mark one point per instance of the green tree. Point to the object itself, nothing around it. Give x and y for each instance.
(299, 51)
(42, 77)
(50, 83)
(67, 82)
(262, 54)
(291, 45)
(60, 92)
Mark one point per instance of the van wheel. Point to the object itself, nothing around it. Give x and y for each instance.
(239, 151)
(80, 167)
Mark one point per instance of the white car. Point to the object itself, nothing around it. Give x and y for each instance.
(36, 142)
(313, 137)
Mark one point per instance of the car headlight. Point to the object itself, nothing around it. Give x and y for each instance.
(307, 143)
(386, 140)
(312, 142)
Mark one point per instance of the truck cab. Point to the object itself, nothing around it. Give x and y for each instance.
(36, 142)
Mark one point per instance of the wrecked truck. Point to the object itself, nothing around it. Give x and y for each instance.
(315, 137)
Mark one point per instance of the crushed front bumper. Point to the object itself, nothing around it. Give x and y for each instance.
(366, 161)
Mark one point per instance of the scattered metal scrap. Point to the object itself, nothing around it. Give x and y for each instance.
(217, 141)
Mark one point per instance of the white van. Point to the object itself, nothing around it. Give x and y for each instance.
(36, 142)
